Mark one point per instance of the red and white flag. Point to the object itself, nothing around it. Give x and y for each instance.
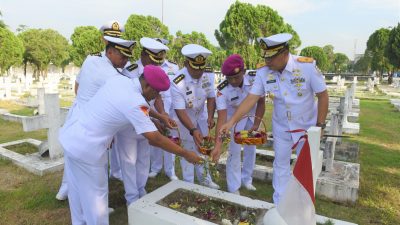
(296, 206)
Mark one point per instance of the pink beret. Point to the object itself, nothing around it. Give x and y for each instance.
(156, 77)
(232, 65)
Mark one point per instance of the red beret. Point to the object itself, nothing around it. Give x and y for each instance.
(156, 77)
(232, 65)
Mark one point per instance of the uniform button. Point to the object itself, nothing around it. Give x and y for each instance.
(285, 93)
(282, 79)
(287, 106)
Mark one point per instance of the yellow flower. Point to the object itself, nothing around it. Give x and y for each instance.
(175, 205)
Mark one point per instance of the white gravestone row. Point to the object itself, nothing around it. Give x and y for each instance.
(396, 82)
(5, 87)
(370, 85)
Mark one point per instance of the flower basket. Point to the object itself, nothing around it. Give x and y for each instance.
(246, 137)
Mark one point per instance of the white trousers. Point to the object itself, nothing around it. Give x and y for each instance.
(236, 172)
(160, 158)
(126, 145)
(87, 192)
(281, 165)
(142, 165)
(188, 168)
(134, 157)
(115, 168)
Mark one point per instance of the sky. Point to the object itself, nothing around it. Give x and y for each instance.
(345, 24)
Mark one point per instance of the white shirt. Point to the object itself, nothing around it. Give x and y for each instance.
(118, 104)
(191, 94)
(93, 74)
(229, 98)
(293, 93)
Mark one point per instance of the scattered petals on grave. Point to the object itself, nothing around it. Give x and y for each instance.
(211, 209)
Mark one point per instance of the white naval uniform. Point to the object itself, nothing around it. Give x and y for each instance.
(295, 107)
(157, 154)
(229, 98)
(95, 70)
(133, 150)
(191, 94)
(85, 138)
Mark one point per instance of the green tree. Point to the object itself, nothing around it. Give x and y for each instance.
(43, 47)
(376, 46)
(244, 23)
(392, 50)
(11, 50)
(318, 54)
(138, 26)
(2, 24)
(328, 49)
(340, 62)
(215, 60)
(363, 64)
(85, 40)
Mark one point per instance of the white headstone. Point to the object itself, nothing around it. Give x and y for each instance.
(51, 120)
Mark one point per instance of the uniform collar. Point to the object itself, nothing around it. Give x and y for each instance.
(190, 78)
(290, 64)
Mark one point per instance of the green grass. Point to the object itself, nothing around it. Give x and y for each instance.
(23, 112)
(29, 199)
(23, 148)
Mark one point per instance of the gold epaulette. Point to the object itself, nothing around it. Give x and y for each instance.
(259, 65)
(208, 70)
(179, 78)
(132, 67)
(305, 59)
(222, 85)
(96, 54)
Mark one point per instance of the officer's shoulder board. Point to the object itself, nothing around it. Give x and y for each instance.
(179, 78)
(208, 70)
(132, 67)
(305, 60)
(222, 85)
(259, 65)
(96, 54)
(252, 73)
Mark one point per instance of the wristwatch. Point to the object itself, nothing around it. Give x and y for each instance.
(322, 125)
(192, 130)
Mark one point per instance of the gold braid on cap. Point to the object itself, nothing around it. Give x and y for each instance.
(114, 31)
(198, 62)
(156, 57)
(270, 51)
(126, 51)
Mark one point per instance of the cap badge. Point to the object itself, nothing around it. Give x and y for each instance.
(115, 26)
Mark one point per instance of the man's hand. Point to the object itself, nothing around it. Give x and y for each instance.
(192, 157)
(254, 127)
(197, 137)
(215, 154)
(225, 128)
(170, 123)
(158, 125)
(211, 123)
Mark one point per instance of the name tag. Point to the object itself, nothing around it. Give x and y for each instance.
(271, 81)
(234, 98)
(189, 92)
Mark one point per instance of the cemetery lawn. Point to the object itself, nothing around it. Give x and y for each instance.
(29, 199)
